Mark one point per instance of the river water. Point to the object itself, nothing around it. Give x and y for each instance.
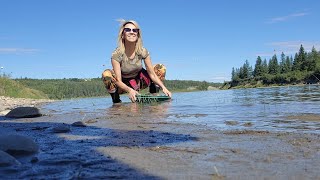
(287, 108)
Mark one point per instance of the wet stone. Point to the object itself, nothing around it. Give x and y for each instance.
(17, 144)
(24, 112)
(79, 124)
(7, 160)
(63, 128)
(232, 123)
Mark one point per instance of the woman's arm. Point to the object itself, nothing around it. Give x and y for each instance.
(118, 81)
(154, 77)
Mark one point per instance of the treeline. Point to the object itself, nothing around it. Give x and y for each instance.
(185, 85)
(304, 67)
(77, 88)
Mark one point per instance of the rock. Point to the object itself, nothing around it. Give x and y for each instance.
(24, 112)
(63, 128)
(79, 124)
(247, 124)
(17, 144)
(7, 160)
(232, 123)
(91, 121)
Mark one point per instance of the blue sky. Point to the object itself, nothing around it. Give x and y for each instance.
(196, 40)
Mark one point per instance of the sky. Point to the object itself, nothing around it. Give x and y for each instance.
(198, 40)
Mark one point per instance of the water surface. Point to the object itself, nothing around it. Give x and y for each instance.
(289, 108)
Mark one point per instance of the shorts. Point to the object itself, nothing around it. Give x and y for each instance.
(141, 81)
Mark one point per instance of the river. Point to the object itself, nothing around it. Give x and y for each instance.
(287, 108)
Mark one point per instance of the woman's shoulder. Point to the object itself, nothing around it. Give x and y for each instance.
(144, 52)
(116, 53)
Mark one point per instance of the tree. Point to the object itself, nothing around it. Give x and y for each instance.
(288, 65)
(264, 67)
(300, 62)
(258, 68)
(283, 63)
(274, 67)
(296, 65)
(233, 74)
(246, 70)
(312, 59)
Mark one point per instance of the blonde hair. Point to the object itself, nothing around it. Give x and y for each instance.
(121, 47)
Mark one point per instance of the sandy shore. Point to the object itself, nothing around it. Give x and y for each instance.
(7, 103)
(118, 144)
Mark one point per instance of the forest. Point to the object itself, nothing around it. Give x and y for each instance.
(303, 68)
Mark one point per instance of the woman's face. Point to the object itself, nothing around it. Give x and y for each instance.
(130, 33)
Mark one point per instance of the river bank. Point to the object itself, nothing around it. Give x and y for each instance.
(118, 142)
(8, 103)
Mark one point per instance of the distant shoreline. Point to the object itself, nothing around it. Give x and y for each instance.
(245, 86)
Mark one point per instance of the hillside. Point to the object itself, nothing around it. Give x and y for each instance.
(11, 88)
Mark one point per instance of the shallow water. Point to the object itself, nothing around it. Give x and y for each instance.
(289, 108)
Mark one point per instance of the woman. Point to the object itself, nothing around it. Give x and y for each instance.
(128, 75)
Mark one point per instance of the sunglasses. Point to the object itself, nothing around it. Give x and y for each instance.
(129, 30)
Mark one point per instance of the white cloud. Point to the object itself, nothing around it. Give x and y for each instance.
(289, 47)
(286, 18)
(17, 50)
(220, 78)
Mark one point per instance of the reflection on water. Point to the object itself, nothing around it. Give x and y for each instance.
(157, 110)
(290, 108)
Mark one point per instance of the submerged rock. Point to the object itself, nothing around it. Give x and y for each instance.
(24, 112)
(17, 144)
(79, 124)
(62, 128)
(7, 160)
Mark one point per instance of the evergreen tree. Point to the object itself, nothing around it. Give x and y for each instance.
(258, 68)
(296, 64)
(283, 63)
(241, 73)
(265, 67)
(300, 61)
(233, 74)
(318, 61)
(288, 65)
(274, 67)
(312, 58)
(291, 63)
(246, 70)
(250, 70)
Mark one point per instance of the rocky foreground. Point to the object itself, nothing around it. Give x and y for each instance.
(134, 141)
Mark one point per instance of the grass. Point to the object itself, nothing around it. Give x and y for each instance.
(11, 88)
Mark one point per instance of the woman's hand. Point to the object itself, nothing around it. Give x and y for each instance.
(166, 92)
(132, 95)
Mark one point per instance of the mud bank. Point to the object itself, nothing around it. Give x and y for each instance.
(120, 143)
